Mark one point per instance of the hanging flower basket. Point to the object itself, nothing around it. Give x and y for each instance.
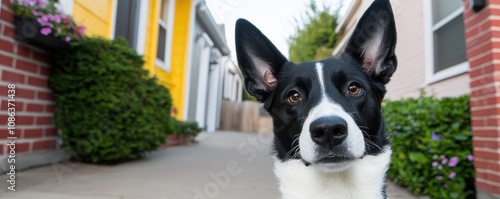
(30, 31)
(43, 24)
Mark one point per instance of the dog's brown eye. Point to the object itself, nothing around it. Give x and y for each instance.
(354, 89)
(294, 97)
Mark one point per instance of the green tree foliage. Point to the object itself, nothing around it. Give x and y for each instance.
(317, 38)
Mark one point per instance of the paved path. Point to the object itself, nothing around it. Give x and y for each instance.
(225, 165)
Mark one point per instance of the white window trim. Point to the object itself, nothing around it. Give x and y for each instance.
(113, 20)
(430, 76)
(66, 6)
(165, 65)
(143, 21)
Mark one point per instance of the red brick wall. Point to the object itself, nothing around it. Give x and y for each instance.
(482, 30)
(28, 68)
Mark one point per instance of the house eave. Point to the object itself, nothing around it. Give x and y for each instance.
(212, 30)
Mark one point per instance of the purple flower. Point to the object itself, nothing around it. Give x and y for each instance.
(440, 167)
(399, 127)
(67, 39)
(82, 29)
(452, 175)
(435, 157)
(433, 116)
(453, 161)
(445, 186)
(30, 2)
(439, 178)
(40, 20)
(35, 13)
(46, 18)
(470, 158)
(50, 17)
(435, 136)
(444, 161)
(41, 3)
(57, 18)
(45, 31)
(434, 164)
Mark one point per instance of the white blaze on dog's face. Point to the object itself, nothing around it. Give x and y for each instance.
(325, 113)
(353, 145)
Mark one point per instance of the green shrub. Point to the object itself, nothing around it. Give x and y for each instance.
(186, 128)
(108, 108)
(431, 143)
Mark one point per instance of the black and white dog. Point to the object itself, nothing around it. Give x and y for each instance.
(330, 140)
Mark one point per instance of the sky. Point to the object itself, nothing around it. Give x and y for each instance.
(275, 18)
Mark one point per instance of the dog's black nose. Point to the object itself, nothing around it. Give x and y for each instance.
(328, 131)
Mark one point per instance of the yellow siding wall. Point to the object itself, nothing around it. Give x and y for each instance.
(151, 37)
(96, 15)
(176, 78)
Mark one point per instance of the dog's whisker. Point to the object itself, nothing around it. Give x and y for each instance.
(366, 133)
(364, 127)
(369, 142)
(290, 151)
(295, 140)
(297, 152)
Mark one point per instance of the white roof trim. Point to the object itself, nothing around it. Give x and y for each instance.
(340, 48)
(350, 11)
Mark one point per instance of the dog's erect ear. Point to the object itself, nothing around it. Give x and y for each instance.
(374, 40)
(259, 60)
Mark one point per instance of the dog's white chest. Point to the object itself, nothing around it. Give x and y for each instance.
(364, 180)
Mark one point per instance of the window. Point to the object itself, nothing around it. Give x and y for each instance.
(164, 34)
(127, 21)
(446, 40)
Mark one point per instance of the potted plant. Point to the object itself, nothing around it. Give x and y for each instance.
(43, 24)
(184, 132)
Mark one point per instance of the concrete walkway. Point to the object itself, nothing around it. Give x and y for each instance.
(226, 165)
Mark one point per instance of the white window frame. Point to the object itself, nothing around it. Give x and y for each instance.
(113, 19)
(429, 29)
(165, 65)
(66, 6)
(143, 21)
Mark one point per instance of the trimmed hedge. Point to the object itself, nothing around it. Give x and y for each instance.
(108, 108)
(431, 143)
